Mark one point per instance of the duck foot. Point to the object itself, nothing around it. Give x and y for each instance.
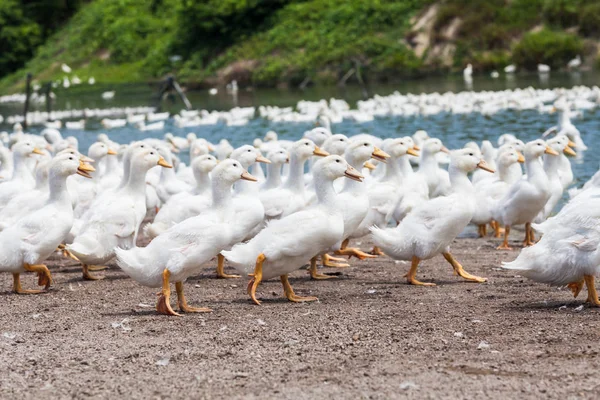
(576, 287)
(333, 262)
(18, 289)
(97, 267)
(163, 305)
(592, 293)
(66, 253)
(354, 252)
(289, 292)
(504, 245)
(87, 276)
(182, 302)
(459, 270)
(411, 276)
(377, 251)
(313, 271)
(44, 276)
(482, 230)
(529, 235)
(256, 278)
(498, 231)
(221, 269)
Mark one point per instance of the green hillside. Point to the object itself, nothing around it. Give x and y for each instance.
(287, 42)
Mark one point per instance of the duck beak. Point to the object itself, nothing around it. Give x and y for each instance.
(483, 165)
(163, 163)
(111, 152)
(353, 174)
(569, 151)
(571, 143)
(84, 169)
(521, 159)
(287, 160)
(369, 166)
(263, 160)
(210, 147)
(417, 148)
(445, 150)
(86, 159)
(174, 149)
(319, 152)
(380, 155)
(412, 152)
(551, 151)
(552, 110)
(37, 151)
(247, 177)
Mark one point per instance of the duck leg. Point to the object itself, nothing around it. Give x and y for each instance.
(289, 292)
(576, 287)
(528, 235)
(182, 302)
(87, 276)
(221, 269)
(334, 262)
(482, 230)
(313, 271)
(411, 277)
(504, 245)
(352, 251)
(66, 253)
(44, 277)
(498, 231)
(591, 287)
(256, 278)
(163, 306)
(377, 251)
(459, 270)
(17, 286)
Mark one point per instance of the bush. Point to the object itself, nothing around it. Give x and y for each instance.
(546, 47)
(589, 20)
(562, 13)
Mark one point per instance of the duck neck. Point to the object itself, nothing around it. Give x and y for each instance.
(392, 170)
(535, 170)
(100, 167)
(460, 181)
(273, 175)
(58, 190)
(221, 194)
(295, 181)
(20, 168)
(404, 166)
(126, 171)
(428, 164)
(325, 192)
(563, 118)
(551, 164)
(112, 163)
(202, 182)
(245, 187)
(137, 180)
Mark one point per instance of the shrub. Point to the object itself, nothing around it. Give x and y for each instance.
(589, 20)
(562, 13)
(546, 47)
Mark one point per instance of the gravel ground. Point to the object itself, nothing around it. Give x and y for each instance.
(370, 336)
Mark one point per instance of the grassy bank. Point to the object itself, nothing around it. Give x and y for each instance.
(289, 42)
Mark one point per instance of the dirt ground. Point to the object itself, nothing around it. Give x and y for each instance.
(370, 336)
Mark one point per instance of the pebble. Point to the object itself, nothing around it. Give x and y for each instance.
(483, 345)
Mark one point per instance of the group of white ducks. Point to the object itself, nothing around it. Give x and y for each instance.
(318, 193)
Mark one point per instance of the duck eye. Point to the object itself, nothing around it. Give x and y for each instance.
(470, 154)
(366, 144)
(70, 158)
(306, 144)
(235, 165)
(152, 152)
(337, 161)
(249, 150)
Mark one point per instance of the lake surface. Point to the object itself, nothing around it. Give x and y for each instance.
(453, 130)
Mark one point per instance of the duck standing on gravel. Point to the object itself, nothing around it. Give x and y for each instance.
(429, 229)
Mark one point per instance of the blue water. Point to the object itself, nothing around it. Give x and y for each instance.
(453, 130)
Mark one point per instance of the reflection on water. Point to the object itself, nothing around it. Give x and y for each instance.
(454, 130)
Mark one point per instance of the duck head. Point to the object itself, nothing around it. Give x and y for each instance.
(303, 149)
(468, 160)
(204, 164)
(278, 156)
(433, 146)
(334, 167)
(25, 148)
(508, 157)
(68, 164)
(318, 135)
(361, 151)
(248, 155)
(401, 146)
(230, 171)
(536, 149)
(336, 144)
(100, 150)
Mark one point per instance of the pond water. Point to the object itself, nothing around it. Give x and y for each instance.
(453, 130)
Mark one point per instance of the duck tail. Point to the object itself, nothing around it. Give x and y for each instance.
(384, 239)
(154, 229)
(132, 263)
(242, 257)
(535, 263)
(83, 246)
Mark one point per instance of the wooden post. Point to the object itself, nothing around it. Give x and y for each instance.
(171, 84)
(27, 95)
(177, 88)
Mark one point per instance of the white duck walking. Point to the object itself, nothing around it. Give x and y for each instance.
(27, 243)
(286, 244)
(180, 251)
(430, 228)
(22, 178)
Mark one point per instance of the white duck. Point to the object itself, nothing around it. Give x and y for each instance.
(22, 178)
(569, 251)
(286, 244)
(27, 243)
(115, 222)
(185, 205)
(565, 126)
(437, 179)
(430, 228)
(169, 184)
(180, 251)
(278, 157)
(526, 197)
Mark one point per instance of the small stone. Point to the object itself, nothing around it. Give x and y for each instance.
(477, 321)
(562, 307)
(260, 322)
(289, 343)
(371, 291)
(356, 337)
(458, 334)
(408, 385)
(483, 345)
(9, 335)
(163, 362)
(578, 308)
(234, 286)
